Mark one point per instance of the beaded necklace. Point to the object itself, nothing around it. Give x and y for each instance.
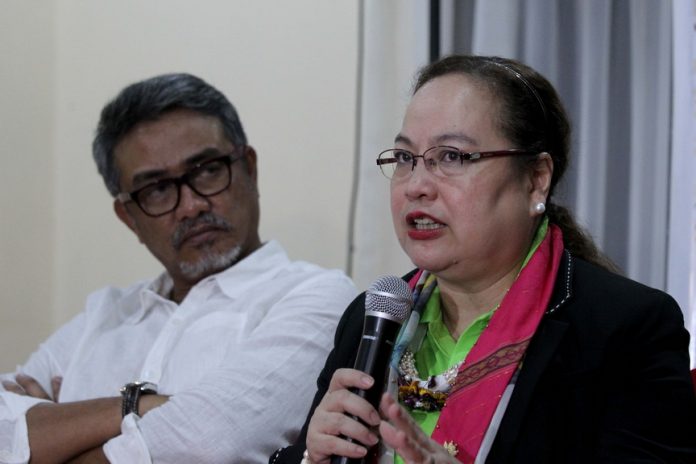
(429, 394)
(425, 394)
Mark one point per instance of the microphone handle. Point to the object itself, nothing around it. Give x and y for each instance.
(371, 451)
(370, 458)
(373, 358)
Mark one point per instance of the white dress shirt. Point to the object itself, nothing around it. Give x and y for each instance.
(239, 357)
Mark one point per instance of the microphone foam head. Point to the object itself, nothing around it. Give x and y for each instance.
(391, 297)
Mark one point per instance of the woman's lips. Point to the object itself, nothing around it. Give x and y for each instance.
(422, 226)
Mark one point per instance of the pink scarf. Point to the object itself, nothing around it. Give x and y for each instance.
(498, 353)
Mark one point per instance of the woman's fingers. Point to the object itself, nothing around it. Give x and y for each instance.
(341, 422)
(340, 398)
(323, 445)
(335, 433)
(400, 431)
(350, 378)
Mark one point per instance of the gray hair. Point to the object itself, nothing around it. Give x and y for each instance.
(149, 99)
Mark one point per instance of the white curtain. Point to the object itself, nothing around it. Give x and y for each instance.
(612, 63)
(395, 44)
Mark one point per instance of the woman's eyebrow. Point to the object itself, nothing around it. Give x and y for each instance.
(441, 139)
(457, 136)
(400, 138)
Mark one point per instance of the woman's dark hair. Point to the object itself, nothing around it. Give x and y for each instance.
(149, 99)
(532, 117)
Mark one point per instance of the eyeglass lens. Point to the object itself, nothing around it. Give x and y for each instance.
(447, 161)
(208, 179)
(442, 161)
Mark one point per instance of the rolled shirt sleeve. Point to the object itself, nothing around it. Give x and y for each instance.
(14, 437)
(42, 365)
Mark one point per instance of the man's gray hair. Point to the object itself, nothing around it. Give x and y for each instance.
(149, 99)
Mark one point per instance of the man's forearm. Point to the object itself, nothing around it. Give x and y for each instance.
(59, 432)
(93, 456)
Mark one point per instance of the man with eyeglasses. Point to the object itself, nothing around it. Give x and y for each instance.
(214, 359)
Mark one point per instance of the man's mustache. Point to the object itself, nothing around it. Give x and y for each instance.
(185, 227)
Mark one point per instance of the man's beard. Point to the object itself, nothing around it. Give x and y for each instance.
(211, 261)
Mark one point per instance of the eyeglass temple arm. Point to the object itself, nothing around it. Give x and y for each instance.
(124, 197)
(490, 154)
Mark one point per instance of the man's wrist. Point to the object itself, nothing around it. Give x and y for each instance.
(131, 394)
(150, 402)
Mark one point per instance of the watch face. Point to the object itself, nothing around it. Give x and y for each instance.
(148, 387)
(143, 387)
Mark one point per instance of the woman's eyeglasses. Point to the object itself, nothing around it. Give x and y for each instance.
(443, 161)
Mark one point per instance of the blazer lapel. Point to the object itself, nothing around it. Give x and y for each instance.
(541, 350)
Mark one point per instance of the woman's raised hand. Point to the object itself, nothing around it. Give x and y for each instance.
(400, 432)
(331, 422)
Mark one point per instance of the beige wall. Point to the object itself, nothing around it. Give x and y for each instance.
(27, 233)
(289, 68)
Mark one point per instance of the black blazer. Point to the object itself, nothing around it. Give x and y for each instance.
(605, 378)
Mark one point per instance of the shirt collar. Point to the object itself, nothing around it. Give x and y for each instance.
(431, 312)
(137, 304)
(233, 281)
(260, 265)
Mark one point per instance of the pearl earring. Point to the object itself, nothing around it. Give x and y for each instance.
(540, 208)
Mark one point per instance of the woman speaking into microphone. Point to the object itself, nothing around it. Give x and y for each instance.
(523, 345)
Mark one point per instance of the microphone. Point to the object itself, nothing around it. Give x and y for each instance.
(388, 302)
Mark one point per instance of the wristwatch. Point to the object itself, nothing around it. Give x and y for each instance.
(131, 393)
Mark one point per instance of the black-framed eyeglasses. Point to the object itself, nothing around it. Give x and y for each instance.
(206, 178)
(443, 161)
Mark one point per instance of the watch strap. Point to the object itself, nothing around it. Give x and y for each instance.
(131, 393)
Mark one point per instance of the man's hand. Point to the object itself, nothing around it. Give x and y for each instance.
(28, 386)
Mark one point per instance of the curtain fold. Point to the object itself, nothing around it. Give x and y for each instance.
(610, 62)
